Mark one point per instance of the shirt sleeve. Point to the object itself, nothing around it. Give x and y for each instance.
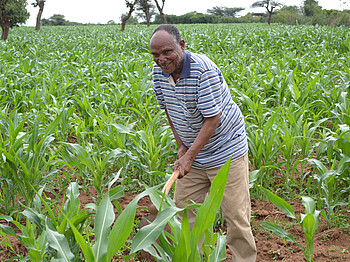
(210, 94)
(158, 91)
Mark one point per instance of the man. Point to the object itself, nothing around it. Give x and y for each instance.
(208, 128)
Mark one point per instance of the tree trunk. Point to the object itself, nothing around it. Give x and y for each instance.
(5, 30)
(148, 19)
(160, 9)
(38, 18)
(125, 18)
(4, 22)
(270, 13)
(162, 16)
(131, 9)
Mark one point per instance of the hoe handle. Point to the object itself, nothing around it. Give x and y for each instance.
(170, 182)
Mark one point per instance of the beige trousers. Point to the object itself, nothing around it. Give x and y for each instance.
(235, 204)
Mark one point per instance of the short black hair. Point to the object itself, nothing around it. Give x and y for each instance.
(171, 29)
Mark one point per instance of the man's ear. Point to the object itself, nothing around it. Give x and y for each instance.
(182, 44)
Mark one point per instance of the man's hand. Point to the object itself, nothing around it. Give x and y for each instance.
(184, 164)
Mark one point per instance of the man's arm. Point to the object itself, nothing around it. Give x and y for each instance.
(185, 161)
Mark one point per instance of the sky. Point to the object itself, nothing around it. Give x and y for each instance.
(102, 11)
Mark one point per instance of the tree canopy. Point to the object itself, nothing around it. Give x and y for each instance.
(12, 13)
(310, 7)
(223, 11)
(145, 10)
(269, 5)
(57, 20)
(16, 11)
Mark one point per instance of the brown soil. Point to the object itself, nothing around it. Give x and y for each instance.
(330, 244)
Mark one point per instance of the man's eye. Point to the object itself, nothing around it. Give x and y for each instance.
(167, 52)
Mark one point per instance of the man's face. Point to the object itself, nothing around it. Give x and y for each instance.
(167, 54)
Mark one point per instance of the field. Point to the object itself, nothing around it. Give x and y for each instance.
(82, 136)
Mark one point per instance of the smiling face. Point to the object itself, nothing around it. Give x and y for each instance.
(167, 53)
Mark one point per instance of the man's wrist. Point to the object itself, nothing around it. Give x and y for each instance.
(191, 155)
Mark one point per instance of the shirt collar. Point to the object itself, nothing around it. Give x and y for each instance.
(185, 68)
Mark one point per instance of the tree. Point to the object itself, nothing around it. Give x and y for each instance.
(41, 4)
(160, 9)
(199, 18)
(224, 11)
(344, 18)
(320, 17)
(217, 10)
(4, 20)
(131, 6)
(270, 5)
(290, 15)
(146, 10)
(131, 21)
(111, 22)
(12, 13)
(57, 20)
(310, 7)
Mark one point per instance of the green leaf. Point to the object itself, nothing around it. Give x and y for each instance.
(85, 247)
(309, 229)
(253, 176)
(319, 165)
(279, 231)
(123, 225)
(8, 230)
(149, 234)
(60, 244)
(308, 221)
(294, 90)
(183, 248)
(163, 255)
(33, 218)
(207, 212)
(279, 203)
(219, 252)
(72, 204)
(103, 221)
(123, 129)
(344, 145)
(151, 250)
(165, 241)
(270, 122)
(82, 155)
(309, 204)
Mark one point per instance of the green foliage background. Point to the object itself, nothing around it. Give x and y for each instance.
(17, 12)
(77, 104)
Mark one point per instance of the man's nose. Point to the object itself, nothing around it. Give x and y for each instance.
(161, 58)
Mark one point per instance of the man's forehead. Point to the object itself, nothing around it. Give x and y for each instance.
(162, 35)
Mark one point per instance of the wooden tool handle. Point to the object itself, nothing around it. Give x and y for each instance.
(170, 182)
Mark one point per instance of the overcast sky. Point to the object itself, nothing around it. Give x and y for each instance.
(102, 11)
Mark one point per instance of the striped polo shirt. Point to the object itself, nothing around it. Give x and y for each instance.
(202, 92)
